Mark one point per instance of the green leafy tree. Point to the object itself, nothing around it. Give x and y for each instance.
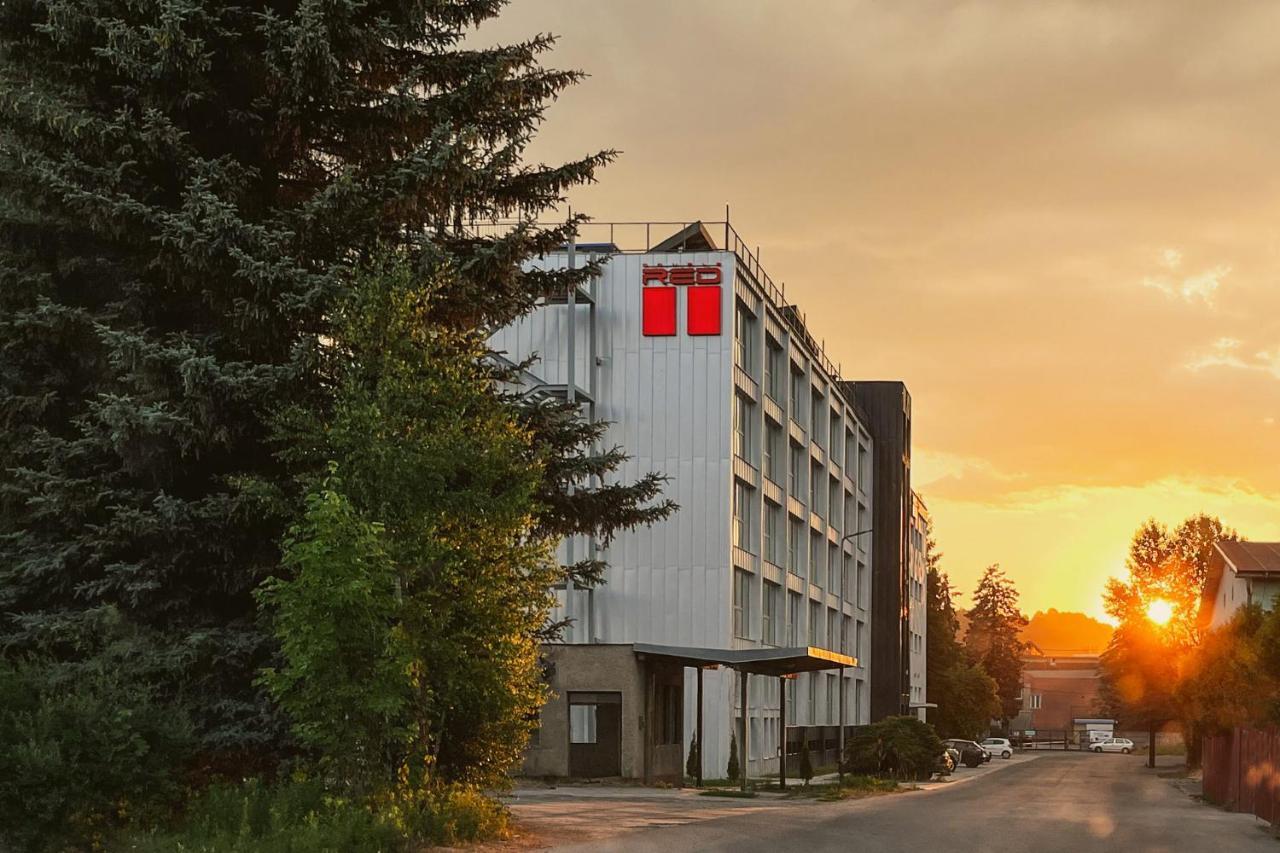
(182, 186)
(1143, 664)
(993, 639)
(450, 476)
(344, 680)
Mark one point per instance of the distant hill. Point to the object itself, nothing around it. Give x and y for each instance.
(1060, 631)
(1065, 632)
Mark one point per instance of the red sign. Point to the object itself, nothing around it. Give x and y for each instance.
(658, 317)
(681, 276)
(658, 299)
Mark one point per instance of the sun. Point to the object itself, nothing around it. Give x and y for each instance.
(1159, 611)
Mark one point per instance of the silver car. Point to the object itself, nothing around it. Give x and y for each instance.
(1114, 744)
(998, 746)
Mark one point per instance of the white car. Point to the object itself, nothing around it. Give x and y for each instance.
(1114, 744)
(998, 746)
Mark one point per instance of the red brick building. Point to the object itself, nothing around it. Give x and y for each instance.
(1056, 690)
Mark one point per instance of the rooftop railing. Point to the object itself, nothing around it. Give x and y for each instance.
(643, 237)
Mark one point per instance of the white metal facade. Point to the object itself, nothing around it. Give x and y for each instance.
(917, 610)
(756, 553)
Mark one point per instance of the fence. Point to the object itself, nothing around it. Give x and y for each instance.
(1242, 772)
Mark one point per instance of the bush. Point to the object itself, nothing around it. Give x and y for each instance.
(900, 747)
(84, 748)
(733, 771)
(446, 814)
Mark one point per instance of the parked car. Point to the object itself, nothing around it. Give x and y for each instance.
(998, 746)
(1114, 744)
(971, 755)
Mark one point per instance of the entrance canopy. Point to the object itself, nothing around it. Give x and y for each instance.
(766, 661)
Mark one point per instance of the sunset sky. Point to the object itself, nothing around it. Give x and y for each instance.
(1057, 222)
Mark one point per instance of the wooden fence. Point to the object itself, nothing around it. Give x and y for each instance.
(1242, 772)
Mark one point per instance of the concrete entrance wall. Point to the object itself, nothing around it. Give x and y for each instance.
(601, 668)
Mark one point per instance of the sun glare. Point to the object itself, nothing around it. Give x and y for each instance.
(1159, 611)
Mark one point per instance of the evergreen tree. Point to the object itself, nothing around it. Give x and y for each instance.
(693, 764)
(963, 692)
(993, 639)
(806, 761)
(734, 769)
(182, 189)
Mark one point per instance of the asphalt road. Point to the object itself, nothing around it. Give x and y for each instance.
(1058, 803)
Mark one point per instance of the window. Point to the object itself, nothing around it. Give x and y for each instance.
(742, 503)
(857, 640)
(773, 543)
(833, 629)
(797, 385)
(864, 469)
(669, 713)
(582, 723)
(795, 542)
(833, 570)
(741, 603)
(743, 416)
(815, 419)
(850, 454)
(862, 585)
(770, 609)
(791, 698)
(744, 338)
(793, 474)
(847, 589)
(1035, 701)
(793, 618)
(774, 370)
(846, 623)
(773, 458)
(815, 560)
(834, 493)
(831, 699)
(836, 431)
(815, 623)
(813, 700)
(815, 487)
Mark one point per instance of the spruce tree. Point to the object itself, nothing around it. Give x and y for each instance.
(994, 638)
(184, 186)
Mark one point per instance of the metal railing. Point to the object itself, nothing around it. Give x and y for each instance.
(637, 238)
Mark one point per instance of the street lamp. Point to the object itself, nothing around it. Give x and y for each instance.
(846, 538)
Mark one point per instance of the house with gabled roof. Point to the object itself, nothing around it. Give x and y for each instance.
(1240, 573)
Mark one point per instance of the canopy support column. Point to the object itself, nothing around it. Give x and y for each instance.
(840, 741)
(782, 732)
(744, 746)
(698, 778)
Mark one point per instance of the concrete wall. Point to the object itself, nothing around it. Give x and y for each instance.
(597, 669)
